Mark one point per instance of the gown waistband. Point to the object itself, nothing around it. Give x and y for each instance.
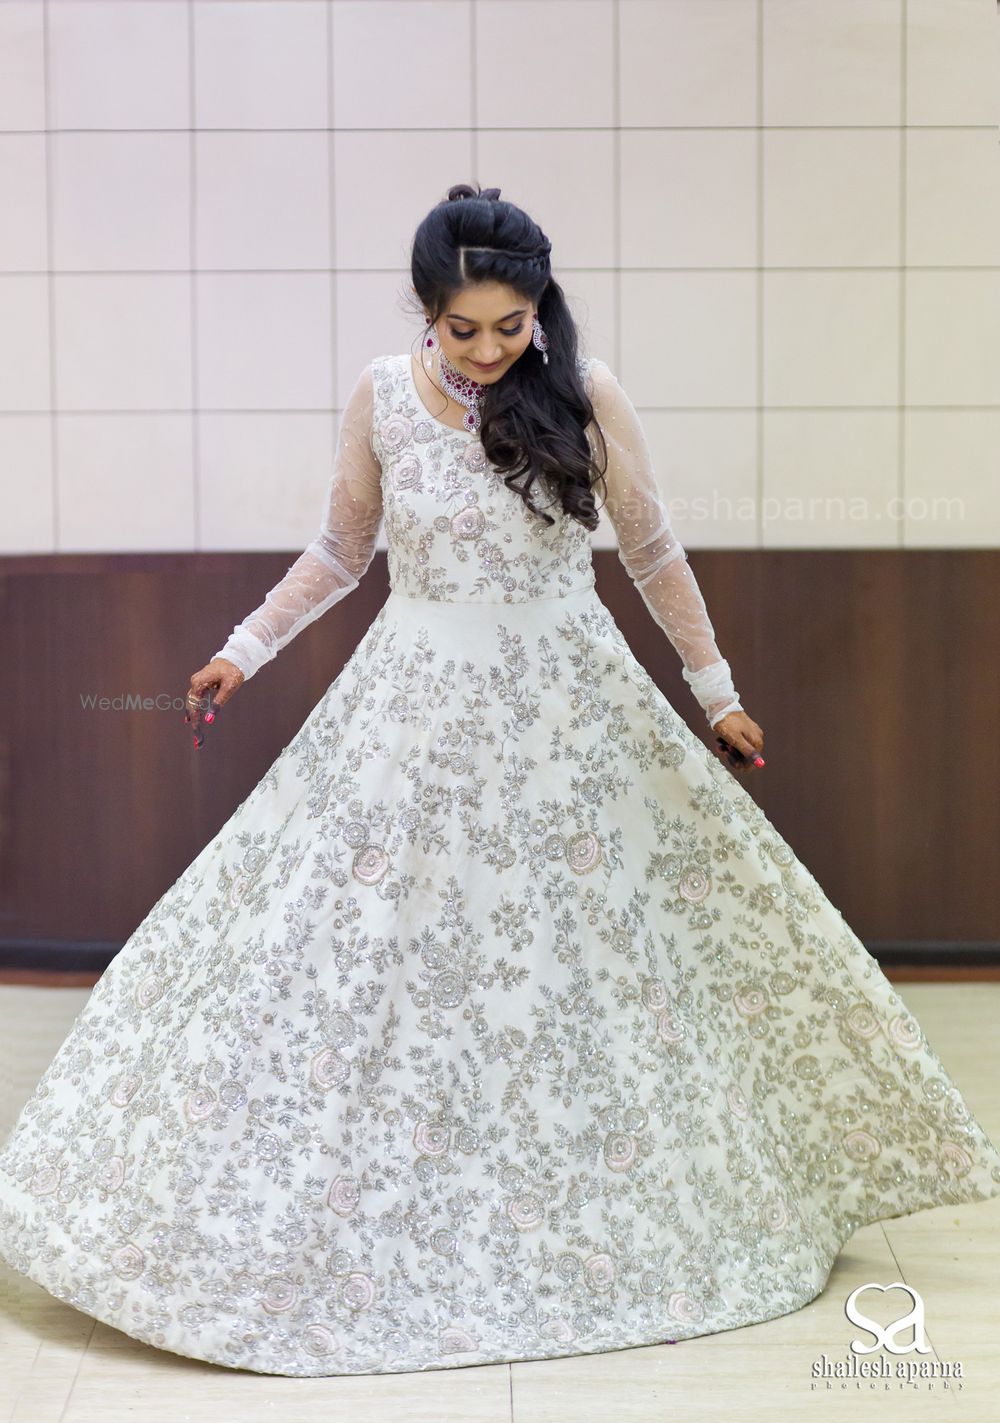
(586, 592)
(478, 614)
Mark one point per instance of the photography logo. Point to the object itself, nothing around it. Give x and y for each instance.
(859, 1372)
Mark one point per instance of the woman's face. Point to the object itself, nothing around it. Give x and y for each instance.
(488, 323)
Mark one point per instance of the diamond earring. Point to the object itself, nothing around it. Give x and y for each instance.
(431, 341)
(540, 339)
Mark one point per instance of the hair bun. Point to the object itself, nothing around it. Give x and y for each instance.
(464, 190)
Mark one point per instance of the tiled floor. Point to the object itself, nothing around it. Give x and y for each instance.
(60, 1366)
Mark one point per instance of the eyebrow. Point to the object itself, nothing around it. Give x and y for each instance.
(455, 316)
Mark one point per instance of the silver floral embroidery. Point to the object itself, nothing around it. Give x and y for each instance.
(497, 1022)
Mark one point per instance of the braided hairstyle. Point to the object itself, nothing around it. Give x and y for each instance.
(535, 417)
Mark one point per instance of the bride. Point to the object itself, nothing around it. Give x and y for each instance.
(497, 1022)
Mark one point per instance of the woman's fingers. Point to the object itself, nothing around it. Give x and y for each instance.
(739, 743)
(211, 687)
(195, 705)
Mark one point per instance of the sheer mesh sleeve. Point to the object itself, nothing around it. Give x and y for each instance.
(653, 556)
(332, 565)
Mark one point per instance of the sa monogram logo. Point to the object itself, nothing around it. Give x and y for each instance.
(884, 1336)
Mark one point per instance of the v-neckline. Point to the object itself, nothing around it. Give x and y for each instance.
(454, 429)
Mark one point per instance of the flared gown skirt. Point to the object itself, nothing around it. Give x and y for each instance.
(496, 1023)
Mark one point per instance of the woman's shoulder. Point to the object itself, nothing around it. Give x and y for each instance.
(597, 365)
(597, 375)
(387, 361)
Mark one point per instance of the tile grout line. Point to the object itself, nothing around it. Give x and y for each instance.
(473, 91)
(760, 451)
(901, 283)
(196, 471)
(79, 1365)
(616, 179)
(331, 204)
(902, 1276)
(47, 141)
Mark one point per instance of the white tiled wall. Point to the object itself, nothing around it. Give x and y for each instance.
(777, 220)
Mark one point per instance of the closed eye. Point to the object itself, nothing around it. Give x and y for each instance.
(466, 335)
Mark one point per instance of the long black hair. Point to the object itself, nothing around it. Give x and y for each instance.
(534, 419)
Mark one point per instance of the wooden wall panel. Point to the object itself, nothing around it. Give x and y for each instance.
(874, 675)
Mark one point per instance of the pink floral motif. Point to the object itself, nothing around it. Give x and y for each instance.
(358, 1290)
(405, 472)
(129, 1262)
(861, 1146)
(279, 1294)
(654, 994)
(670, 1026)
(560, 1330)
(344, 1194)
(685, 1307)
(453, 1340)
(738, 1104)
(862, 1021)
(600, 1271)
(318, 1340)
(905, 1032)
(370, 864)
(526, 1211)
(774, 1213)
(110, 1174)
(694, 884)
(620, 1150)
(45, 1181)
(432, 1138)
(583, 851)
(328, 1068)
(149, 990)
(394, 432)
(200, 1104)
(125, 1089)
(750, 1002)
(956, 1158)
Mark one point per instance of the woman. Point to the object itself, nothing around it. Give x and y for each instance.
(498, 1022)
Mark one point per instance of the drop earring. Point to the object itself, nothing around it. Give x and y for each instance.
(540, 339)
(462, 388)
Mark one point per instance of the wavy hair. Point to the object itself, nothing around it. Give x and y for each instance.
(535, 418)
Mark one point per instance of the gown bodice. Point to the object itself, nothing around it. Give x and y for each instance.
(455, 531)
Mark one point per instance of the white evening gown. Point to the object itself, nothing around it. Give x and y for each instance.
(498, 1022)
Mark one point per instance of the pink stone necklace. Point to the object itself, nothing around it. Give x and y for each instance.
(464, 389)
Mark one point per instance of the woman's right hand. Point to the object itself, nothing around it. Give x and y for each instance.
(214, 683)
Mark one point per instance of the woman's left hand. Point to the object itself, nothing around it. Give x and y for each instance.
(743, 733)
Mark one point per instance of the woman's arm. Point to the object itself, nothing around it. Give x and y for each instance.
(652, 554)
(332, 565)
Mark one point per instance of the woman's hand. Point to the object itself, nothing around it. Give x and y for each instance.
(221, 677)
(742, 733)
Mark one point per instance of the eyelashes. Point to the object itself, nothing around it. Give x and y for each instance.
(467, 335)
